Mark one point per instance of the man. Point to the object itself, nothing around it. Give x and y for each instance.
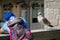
(20, 25)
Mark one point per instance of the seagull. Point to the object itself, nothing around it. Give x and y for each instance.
(43, 21)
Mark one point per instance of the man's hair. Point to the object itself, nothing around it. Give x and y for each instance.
(8, 15)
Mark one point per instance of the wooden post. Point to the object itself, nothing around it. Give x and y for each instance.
(18, 14)
(14, 9)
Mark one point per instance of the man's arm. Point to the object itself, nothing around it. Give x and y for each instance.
(5, 27)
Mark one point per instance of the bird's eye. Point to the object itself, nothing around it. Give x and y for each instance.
(39, 14)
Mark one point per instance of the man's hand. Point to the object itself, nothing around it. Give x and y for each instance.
(1, 31)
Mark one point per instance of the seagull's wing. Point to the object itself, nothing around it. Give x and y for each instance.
(46, 21)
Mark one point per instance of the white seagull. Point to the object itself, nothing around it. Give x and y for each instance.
(43, 21)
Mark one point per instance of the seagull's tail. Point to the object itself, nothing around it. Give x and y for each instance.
(51, 25)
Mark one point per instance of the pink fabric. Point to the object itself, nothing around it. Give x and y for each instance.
(10, 33)
(24, 39)
(28, 35)
(11, 38)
